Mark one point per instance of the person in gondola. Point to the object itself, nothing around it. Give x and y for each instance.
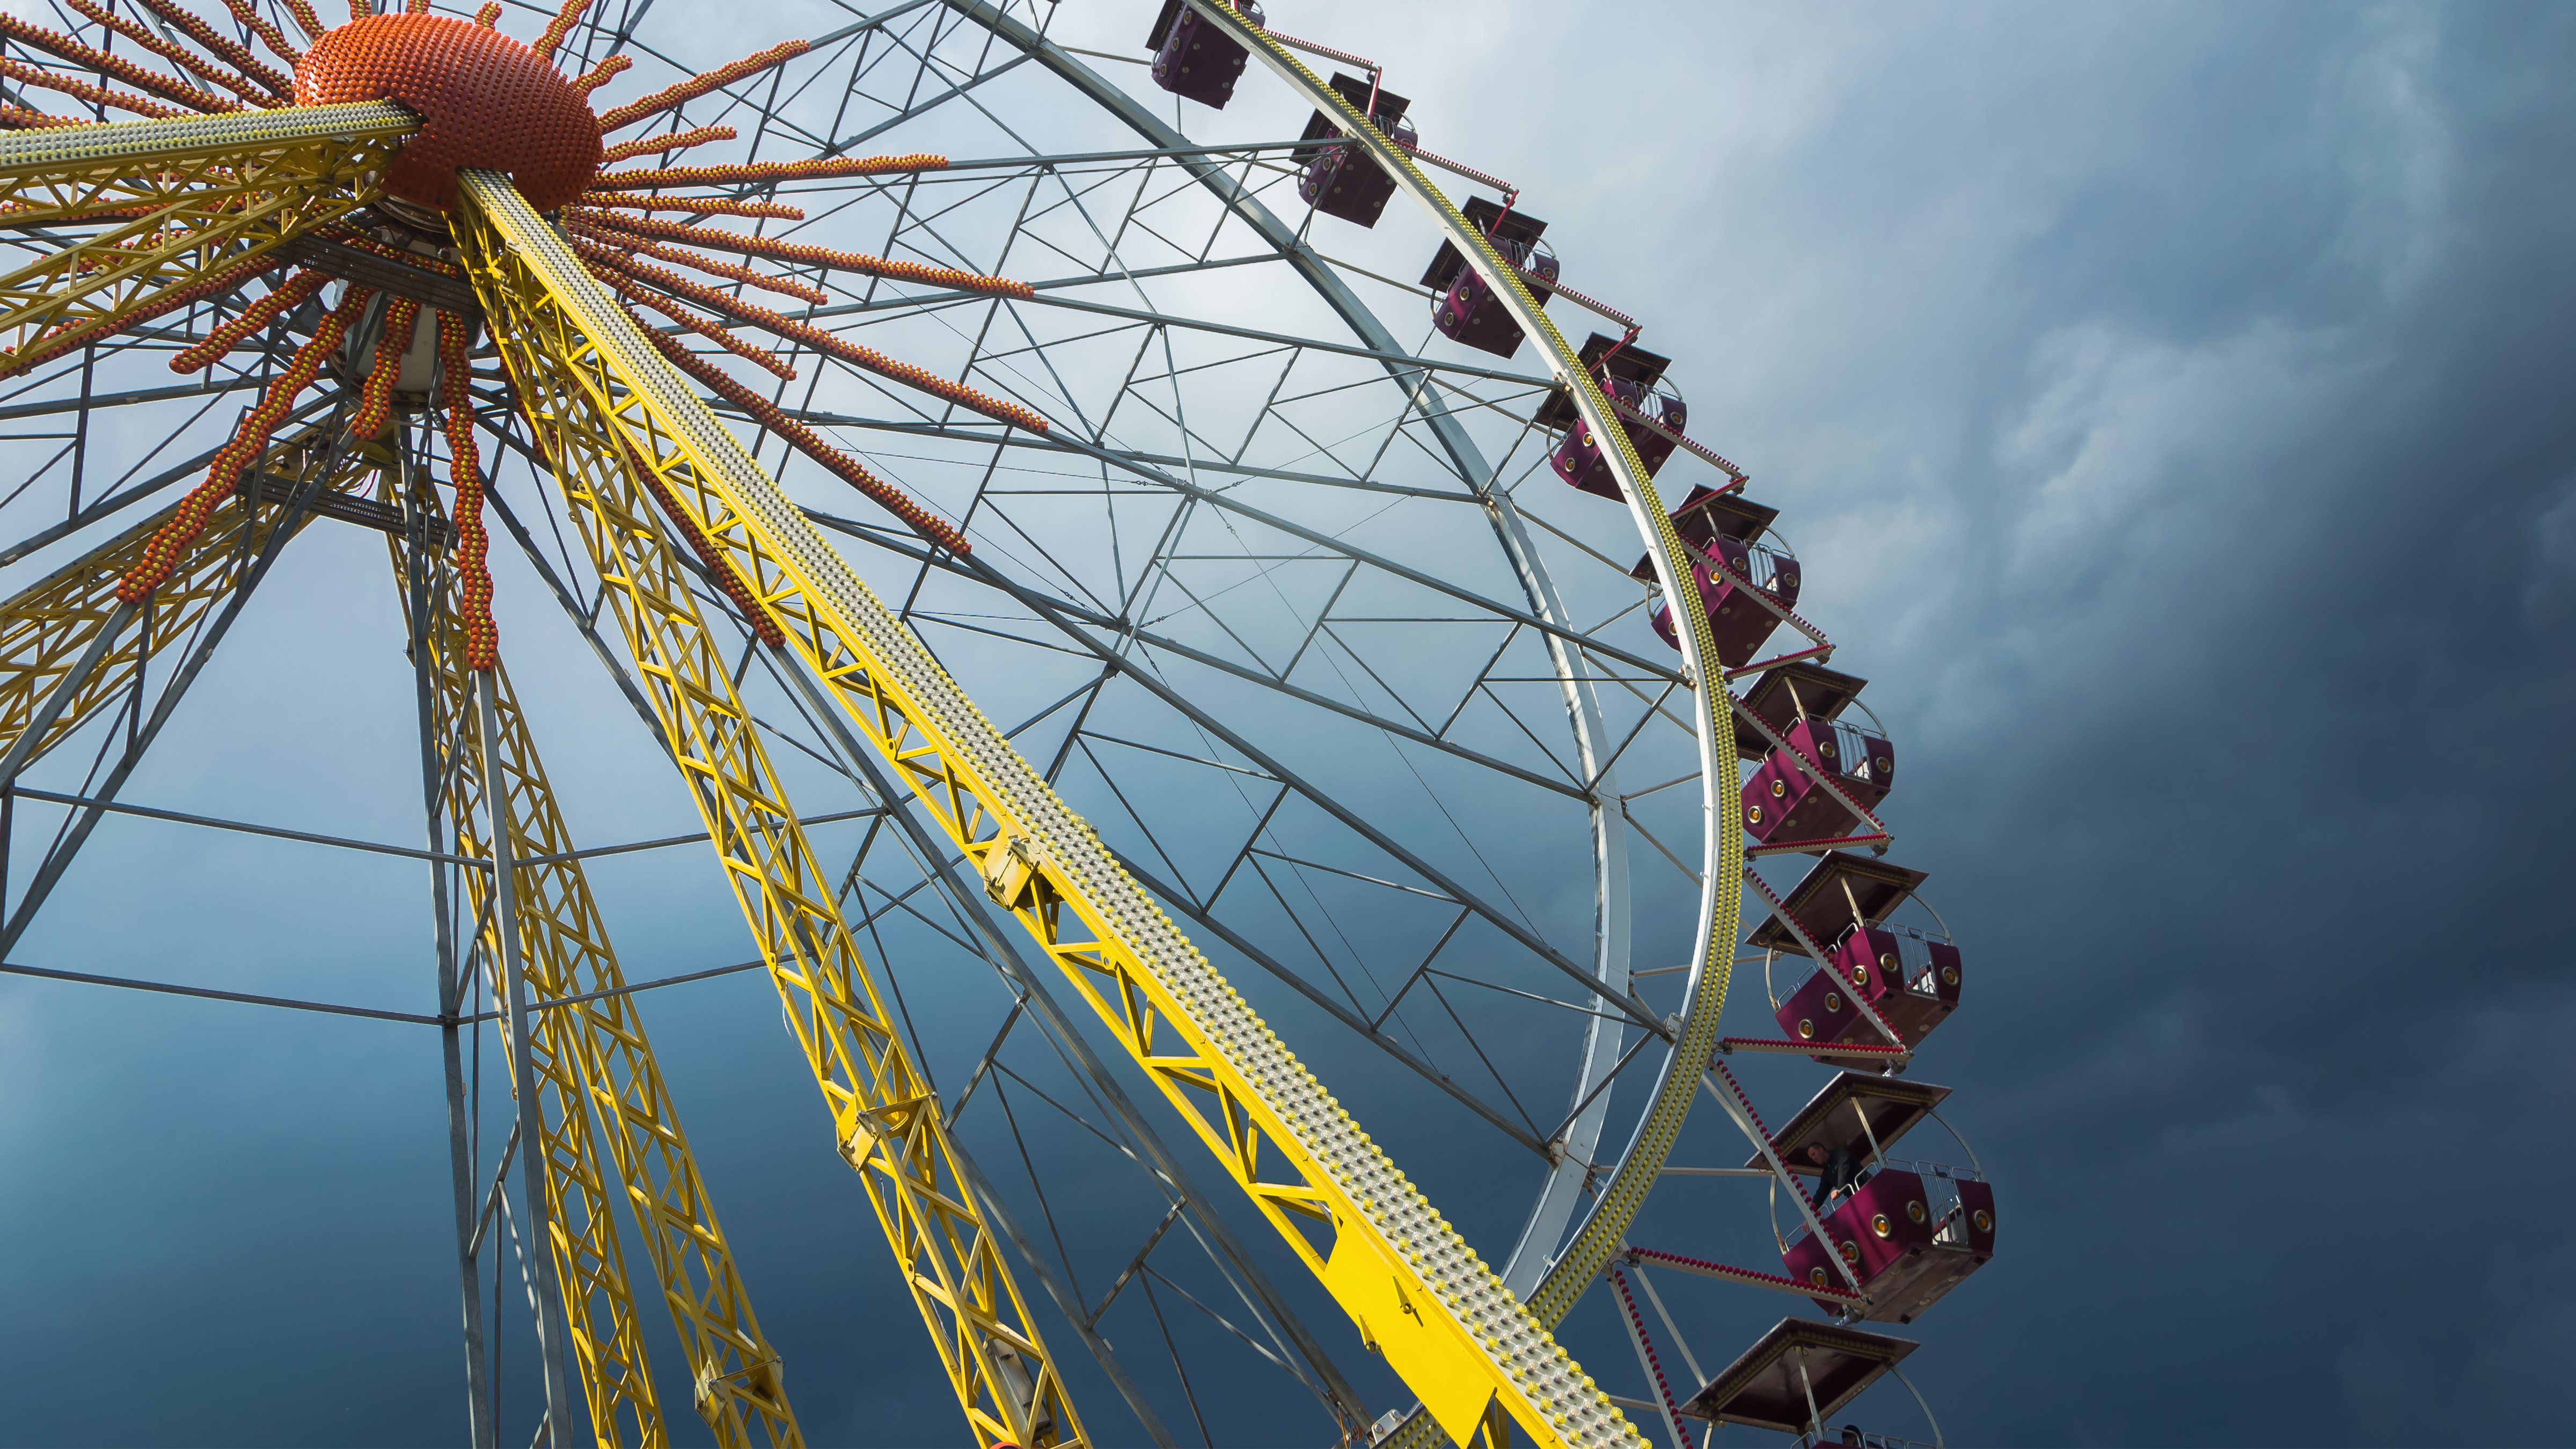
(1841, 1173)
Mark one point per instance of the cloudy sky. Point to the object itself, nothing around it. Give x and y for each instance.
(2165, 391)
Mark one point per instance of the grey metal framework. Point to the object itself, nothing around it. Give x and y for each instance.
(1286, 601)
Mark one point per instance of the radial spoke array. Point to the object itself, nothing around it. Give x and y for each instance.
(1102, 618)
(1262, 590)
(1391, 1261)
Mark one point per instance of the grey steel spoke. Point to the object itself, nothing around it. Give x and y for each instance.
(979, 432)
(1244, 853)
(421, 602)
(961, 622)
(1637, 1010)
(1269, 403)
(1323, 957)
(1491, 1070)
(1297, 982)
(15, 411)
(1321, 614)
(1228, 1324)
(1598, 1087)
(1643, 720)
(1137, 1263)
(1569, 540)
(1286, 859)
(1066, 1301)
(1127, 805)
(630, 989)
(59, 858)
(984, 1063)
(1469, 697)
(1496, 986)
(1077, 692)
(663, 841)
(950, 94)
(1047, 298)
(171, 988)
(1424, 965)
(123, 498)
(1485, 687)
(1099, 619)
(1199, 606)
(1175, 754)
(1344, 547)
(1689, 872)
(181, 817)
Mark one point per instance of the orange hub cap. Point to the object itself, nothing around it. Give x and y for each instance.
(484, 100)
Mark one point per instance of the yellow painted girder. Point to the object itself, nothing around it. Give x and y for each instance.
(555, 925)
(885, 1120)
(161, 208)
(1419, 1295)
(563, 940)
(46, 627)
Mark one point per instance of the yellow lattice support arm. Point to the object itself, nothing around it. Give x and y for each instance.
(166, 212)
(47, 627)
(564, 939)
(599, 1306)
(884, 1117)
(1418, 1294)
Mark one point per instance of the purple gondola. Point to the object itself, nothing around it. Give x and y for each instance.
(1730, 561)
(1193, 56)
(1466, 308)
(1635, 382)
(1341, 178)
(1908, 976)
(1910, 1231)
(1786, 800)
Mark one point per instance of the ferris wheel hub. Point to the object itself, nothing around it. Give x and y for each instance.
(485, 99)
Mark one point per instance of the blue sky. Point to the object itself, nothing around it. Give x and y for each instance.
(2169, 402)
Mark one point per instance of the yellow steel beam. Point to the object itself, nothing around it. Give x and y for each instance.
(47, 627)
(885, 1120)
(557, 925)
(163, 212)
(1419, 1295)
(564, 941)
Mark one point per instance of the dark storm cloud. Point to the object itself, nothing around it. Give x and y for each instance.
(2171, 404)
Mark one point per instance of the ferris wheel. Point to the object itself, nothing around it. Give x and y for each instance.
(1171, 691)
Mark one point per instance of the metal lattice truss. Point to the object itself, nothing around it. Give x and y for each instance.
(193, 210)
(558, 330)
(1233, 544)
(591, 1057)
